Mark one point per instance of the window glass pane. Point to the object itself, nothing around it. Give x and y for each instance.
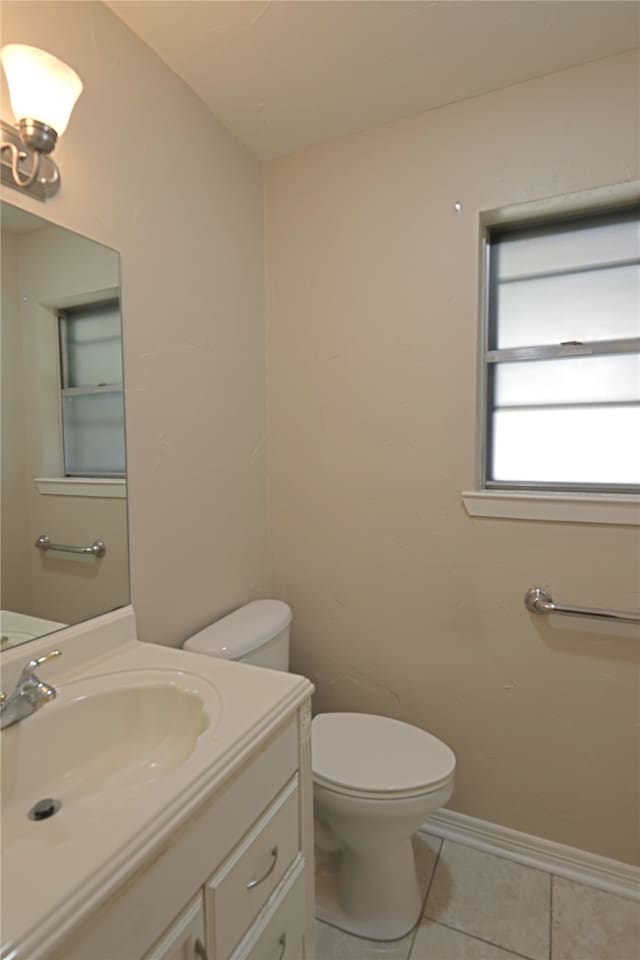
(566, 248)
(575, 445)
(94, 434)
(602, 305)
(93, 345)
(614, 378)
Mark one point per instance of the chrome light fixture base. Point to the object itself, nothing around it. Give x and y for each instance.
(37, 136)
(24, 164)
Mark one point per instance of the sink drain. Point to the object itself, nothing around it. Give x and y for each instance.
(44, 809)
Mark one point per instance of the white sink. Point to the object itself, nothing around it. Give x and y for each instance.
(105, 738)
(138, 737)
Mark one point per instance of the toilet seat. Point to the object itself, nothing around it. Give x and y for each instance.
(377, 758)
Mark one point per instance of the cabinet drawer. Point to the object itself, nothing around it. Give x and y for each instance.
(281, 937)
(244, 883)
(184, 940)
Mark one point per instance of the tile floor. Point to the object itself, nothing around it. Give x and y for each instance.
(482, 907)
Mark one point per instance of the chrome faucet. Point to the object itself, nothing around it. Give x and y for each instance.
(29, 695)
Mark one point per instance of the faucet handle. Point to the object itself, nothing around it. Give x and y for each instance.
(43, 659)
(28, 669)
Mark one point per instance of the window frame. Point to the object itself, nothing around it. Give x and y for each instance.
(66, 391)
(502, 223)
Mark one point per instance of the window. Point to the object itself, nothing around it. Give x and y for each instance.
(91, 382)
(563, 355)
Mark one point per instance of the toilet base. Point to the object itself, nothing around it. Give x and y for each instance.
(378, 898)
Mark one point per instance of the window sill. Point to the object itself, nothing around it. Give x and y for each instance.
(99, 487)
(604, 508)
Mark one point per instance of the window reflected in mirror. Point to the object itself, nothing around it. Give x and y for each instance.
(63, 429)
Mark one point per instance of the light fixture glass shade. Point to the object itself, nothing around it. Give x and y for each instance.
(41, 87)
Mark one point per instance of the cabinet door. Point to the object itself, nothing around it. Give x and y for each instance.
(184, 940)
(236, 894)
(280, 934)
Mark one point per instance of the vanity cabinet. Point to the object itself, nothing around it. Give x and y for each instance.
(281, 935)
(234, 881)
(240, 889)
(184, 940)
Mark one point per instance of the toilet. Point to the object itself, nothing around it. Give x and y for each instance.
(375, 781)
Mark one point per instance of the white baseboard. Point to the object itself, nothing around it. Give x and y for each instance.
(555, 858)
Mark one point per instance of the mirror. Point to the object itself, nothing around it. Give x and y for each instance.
(63, 525)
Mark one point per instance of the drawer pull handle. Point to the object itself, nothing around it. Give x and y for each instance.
(199, 950)
(272, 866)
(283, 943)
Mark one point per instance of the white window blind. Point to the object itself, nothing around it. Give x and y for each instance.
(563, 355)
(92, 399)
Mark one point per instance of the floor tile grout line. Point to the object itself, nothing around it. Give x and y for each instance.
(499, 946)
(473, 936)
(508, 952)
(426, 897)
(551, 918)
(431, 878)
(413, 937)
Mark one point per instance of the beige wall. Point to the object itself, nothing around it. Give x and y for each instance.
(148, 171)
(57, 268)
(403, 604)
(15, 555)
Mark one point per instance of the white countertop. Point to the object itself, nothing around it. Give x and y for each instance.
(55, 872)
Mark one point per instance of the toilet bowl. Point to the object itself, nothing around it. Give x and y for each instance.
(375, 781)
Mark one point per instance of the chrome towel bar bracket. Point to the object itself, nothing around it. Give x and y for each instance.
(537, 600)
(97, 548)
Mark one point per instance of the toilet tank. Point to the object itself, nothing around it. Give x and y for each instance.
(257, 633)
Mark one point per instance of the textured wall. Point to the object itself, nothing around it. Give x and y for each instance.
(403, 604)
(15, 555)
(147, 170)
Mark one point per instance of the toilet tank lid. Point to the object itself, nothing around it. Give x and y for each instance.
(242, 631)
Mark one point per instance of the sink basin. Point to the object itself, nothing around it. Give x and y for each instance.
(139, 738)
(111, 735)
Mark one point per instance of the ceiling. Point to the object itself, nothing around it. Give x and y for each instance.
(283, 75)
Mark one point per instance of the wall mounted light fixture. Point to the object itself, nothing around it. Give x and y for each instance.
(43, 91)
